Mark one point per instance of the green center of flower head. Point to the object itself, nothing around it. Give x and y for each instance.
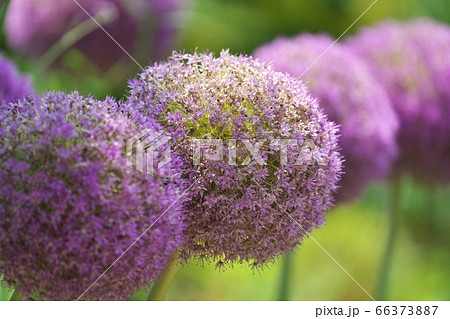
(204, 128)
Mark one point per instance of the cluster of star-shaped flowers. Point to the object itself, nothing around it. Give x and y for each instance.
(228, 118)
(70, 206)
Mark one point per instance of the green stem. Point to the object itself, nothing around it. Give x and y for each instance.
(283, 294)
(382, 289)
(71, 37)
(432, 209)
(160, 288)
(3, 8)
(17, 296)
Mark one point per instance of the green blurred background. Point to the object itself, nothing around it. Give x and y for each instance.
(356, 233)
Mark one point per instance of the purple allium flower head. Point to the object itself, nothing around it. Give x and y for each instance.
(70, 206)
(351, 97)
(412, 61)
(33, 26)
(240, 202)
(13, 86)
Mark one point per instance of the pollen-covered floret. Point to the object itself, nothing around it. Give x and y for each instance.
(244, 190)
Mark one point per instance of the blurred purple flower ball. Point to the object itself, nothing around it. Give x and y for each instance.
(241, 205)
(13, 86)
(33, 26)
(350, 96)
(69, 205)
(411, 60)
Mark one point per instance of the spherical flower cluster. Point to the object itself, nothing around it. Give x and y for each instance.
(70, 206)
(411, 60)
(229, 118)
(13, 86)
(350, 96)
(34, 26)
